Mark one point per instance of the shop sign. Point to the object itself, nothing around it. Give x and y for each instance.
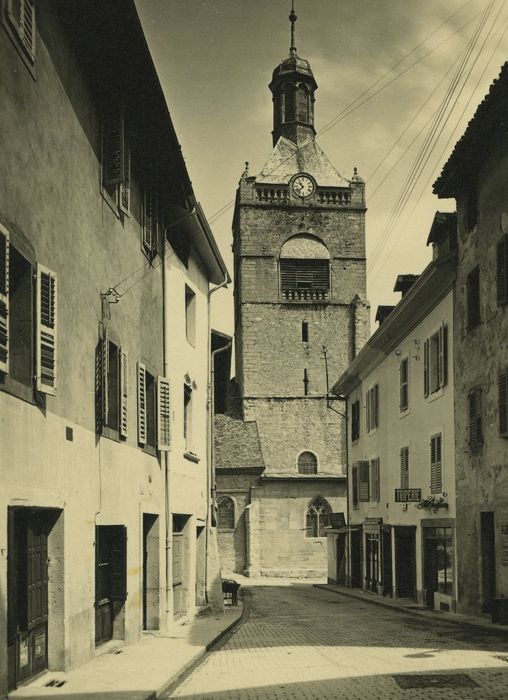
(408, 495)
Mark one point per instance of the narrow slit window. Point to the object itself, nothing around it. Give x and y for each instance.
(305, 332)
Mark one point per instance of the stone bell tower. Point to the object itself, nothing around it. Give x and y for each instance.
(300, 317)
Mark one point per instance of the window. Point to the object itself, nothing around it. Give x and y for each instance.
(302, 103)
(306, 382)
(154, 410)
(475, 417)
(116, 160)
(23, 324)
(305, 332)
(187, 416)
(304, 269)
(502, 271)
(307, 463)
(503, 402)
(289, 102)
(436, 464)
(355, 421)
(150, 228)
(435, 361)
(111, 389)
(404, 467)
(225, 513)
(404, 384)
(374, 479)
(316, 517)
(363, 481)
(20, 15)
(372, 407)
(438, 555)
(190, 315)
(473, 298)
(354, 485)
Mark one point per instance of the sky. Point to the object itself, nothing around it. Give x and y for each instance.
(215, 59)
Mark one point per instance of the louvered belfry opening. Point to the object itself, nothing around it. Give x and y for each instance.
(305, 269)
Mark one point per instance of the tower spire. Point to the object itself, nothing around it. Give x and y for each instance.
(292, 19)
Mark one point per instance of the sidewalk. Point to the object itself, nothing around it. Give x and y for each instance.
(408, 605)
(139, 671)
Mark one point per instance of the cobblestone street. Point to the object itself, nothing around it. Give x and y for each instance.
(303, 642)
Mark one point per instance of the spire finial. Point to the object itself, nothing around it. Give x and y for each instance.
(292, 19)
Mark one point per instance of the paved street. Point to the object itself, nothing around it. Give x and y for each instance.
(303, 642)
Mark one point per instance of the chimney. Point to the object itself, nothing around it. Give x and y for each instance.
(404, 283)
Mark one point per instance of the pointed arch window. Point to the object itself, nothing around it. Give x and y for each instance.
(289, 102)
(316, 517)
(225, 513)
(307, 463)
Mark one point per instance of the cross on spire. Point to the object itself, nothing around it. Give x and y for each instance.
(292, 19)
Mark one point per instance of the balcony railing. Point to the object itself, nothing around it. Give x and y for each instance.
(272, 194)
(305, 294)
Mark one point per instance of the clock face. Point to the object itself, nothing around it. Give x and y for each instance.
(303, 186)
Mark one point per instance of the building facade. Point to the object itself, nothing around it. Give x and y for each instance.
(299, 257)
(400, 537)
(475, 175)
(105, 265)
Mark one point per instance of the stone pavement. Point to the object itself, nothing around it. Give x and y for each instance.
(136, 671)
(301, 642)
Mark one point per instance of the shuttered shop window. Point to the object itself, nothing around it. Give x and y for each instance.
(436, 467)
(304, 274)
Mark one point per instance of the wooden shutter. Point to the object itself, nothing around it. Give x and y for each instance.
(367, 410)
(502, 271)
(119, 563)
(125, 185)
(503, 402)
(150, 224)
(475, 416)
(404, 384)
(374, 479)
(355, 421)
(124, 387)
(354, 484)
(4, 300)
(101, 382)
(113, 149)
(28, 25)
(443, 355)
(375, 392)
(436, 471)
(163, 414)
(141, 403)
(46, 334)
(364, 481)
(426, 367)
(404, 468)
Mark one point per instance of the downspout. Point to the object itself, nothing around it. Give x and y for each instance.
(168, 523)
(210, 471)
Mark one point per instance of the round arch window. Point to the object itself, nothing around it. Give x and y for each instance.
(307, 463)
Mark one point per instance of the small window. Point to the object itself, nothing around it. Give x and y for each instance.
(20, 15)
(364, 481)
(404, 384)
(316, 517)
(225, 513)
(503, 402)
(307, 463)
(404, 467)
(475, 417)
(436, 464)
(473, 298)
(372, 407)
(502, 271)
(306, 382)
(305, 332)
(355, 421)
(435, 361)
(190, 315)
(187, 416)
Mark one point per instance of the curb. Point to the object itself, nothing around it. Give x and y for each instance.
(174, 681)
(426, 614)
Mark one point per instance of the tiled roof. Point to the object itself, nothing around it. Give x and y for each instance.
(236, 443)
(287, 159)
(487, 126)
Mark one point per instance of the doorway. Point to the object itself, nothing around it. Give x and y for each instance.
(341, 559)
(180, 565)
(356, 559)
(371, 560)
(110, 582)
(387, 577)
(405, 561)
(437, 562)
(488, 558)
(150, 572)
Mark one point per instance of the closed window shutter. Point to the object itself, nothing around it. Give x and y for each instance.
(101, 382)
(113, 149)
(443, 355)
(304, 274)
(436, 471)
(354, 484)
(403, 375)
(376, 405)
(150, 224)
(163, 414)
(141, 403)
(426, 368)
(124, 384)
(4, 300)
(363, 486)
(28, 25)
(404, 468)
(475, 416)
(119, 564)
(502, 271)
(503, 402)
(374, 479)
(125, 185)
(355, 421)
(367, 410)
(46, 331)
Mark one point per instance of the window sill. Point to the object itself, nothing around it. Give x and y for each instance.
(111, 434)
(226, 529)
(150, 450)
(191, 457)
(435, 394)
(404, 412)
(14, 388)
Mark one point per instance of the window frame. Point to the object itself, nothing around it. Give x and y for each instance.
(435, 361)
(16, 31)
(317, 509)
(301, 467)
(404, 384)
(372, 408)
(436, 463)
(231, 525)
(103, 393)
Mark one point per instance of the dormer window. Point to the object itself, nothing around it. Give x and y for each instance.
(305, 269)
